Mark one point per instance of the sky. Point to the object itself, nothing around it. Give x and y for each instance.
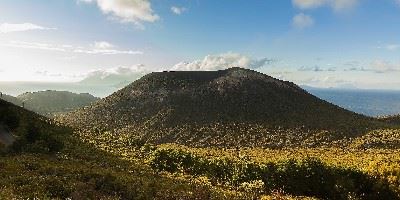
(109, 43)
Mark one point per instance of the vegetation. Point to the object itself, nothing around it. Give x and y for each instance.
(82, 172)
(48, 162)
(309, 177)
(274, 148)
(110, 166)
(395, 119)
(225, 167)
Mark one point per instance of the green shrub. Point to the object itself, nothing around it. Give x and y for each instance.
(57, 189)
(308, 177)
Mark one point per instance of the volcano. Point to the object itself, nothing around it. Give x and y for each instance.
(229, 107)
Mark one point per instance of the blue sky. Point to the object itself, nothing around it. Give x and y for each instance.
(322, 43)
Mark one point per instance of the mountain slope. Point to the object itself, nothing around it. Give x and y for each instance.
(227, 108)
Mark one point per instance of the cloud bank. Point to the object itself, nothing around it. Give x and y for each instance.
(121, 76)
(337, 5)
(317, 69)
(118, 76)
(222, 61)
(9, 28)
(98, 48)
(390, 47)
(382, 66)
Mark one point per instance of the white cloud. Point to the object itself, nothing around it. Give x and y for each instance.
(47, 73)
(118, 76)
(327, 82)
(102, 48)
(127, 11)
(121, 76)
(103, 45)
(302, 20)
(337, 5)
(392, 47)
(376, 66)
(317, 68)
(35, 45)
(178, 10)
(308, 4)
(9, 28)
(222, 61)
(382, 66)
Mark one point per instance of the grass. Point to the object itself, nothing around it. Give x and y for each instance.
(108, 166)
(381, 164)
(83, 172)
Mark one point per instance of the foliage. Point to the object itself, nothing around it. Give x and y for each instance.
(309, 177)
(382, 165)
(82, 172)
(39, 140)
(395, 119)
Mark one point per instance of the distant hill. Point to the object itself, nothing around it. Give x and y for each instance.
(219, 108)
(394, 119)
(51, 102)
(11, 99)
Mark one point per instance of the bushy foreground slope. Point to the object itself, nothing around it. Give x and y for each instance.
(110, 166)
(48, 162)
(354, 172)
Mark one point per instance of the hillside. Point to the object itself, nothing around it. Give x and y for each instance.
(46, 161)
(11, 99)
(219, 108)
(51, 102)
(24, 130)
